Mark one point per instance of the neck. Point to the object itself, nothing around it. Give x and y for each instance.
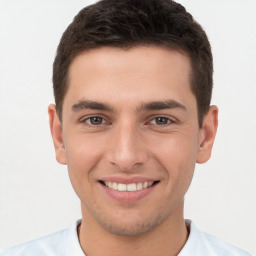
(166, 239)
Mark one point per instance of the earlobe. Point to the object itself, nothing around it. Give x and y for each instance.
(57, 136)
(207, 135)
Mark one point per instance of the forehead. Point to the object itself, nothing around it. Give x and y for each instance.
(136, 59)
(143, 73)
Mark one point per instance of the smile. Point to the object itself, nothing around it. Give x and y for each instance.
(128, 187)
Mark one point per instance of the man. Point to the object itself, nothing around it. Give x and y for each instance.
(132, 83)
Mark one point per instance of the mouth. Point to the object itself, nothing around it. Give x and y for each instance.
(131, 187)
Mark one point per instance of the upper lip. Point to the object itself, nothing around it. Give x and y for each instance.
(128, 180)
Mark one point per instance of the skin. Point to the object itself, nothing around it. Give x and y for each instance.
(131, 138)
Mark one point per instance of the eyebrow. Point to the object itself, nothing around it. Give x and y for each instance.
(154, 105)
(160, 105)
(88, 104)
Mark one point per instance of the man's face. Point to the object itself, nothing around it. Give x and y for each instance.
(130, 136)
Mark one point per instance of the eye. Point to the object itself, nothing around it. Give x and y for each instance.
(160, 120)
(94, 120)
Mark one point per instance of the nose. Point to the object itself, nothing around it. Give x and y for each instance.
(127, 147)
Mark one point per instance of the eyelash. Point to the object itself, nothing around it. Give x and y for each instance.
(153, 121)
(158, 118)
(90, 118)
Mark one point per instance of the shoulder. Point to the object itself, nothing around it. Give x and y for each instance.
(218, 246)
(58, 243)
(201, 243)
(40, 247)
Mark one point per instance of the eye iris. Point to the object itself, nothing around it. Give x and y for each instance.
(161, 120)
(96, 120)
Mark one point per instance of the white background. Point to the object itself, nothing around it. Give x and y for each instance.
(35, 195)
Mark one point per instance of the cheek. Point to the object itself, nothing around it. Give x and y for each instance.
(82, 157)
(177, 154)
(82, 151)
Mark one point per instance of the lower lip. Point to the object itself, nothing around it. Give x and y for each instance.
(128, 196)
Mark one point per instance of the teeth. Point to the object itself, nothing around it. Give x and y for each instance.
(131, 187)
(121, 187)
(114, 185)
(128, 187)
(139, 186)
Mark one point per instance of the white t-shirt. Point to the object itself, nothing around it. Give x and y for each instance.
(66, 243)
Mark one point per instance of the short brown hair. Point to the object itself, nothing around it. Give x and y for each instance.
(130, 23)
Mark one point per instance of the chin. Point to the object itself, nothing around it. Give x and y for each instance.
(130, 226)
(129, 230)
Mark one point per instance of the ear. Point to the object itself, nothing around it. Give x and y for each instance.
(207, 135)
(56, 131)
